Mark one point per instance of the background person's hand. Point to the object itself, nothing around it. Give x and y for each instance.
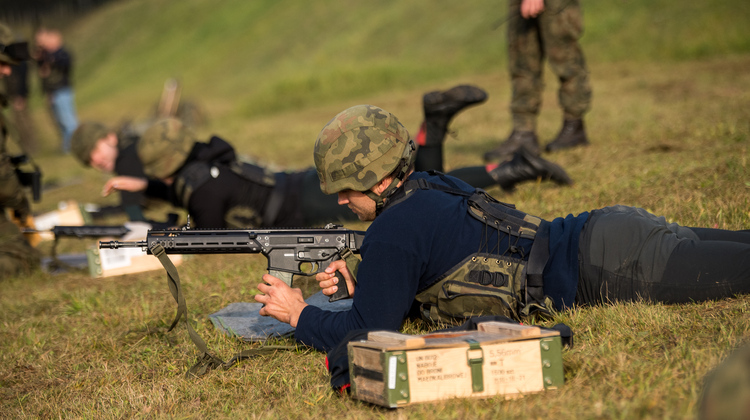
(124, 183)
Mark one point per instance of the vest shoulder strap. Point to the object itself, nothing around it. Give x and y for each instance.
(254, 173)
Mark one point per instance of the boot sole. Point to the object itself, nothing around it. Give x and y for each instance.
(453, 99)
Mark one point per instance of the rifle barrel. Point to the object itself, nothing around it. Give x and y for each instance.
(121, 244)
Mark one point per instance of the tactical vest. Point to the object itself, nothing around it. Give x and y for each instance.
(488, 283)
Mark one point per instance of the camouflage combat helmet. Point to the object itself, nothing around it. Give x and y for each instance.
(11, 52)
(164, 147)
(84, 139)
(359, 147)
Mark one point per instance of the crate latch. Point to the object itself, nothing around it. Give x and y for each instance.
(475, 359)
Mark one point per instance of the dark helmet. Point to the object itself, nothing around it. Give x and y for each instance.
(361, 146)
(84, 139)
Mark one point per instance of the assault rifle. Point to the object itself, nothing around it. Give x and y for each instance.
(287, 249)
(78, 232)
(87, 231)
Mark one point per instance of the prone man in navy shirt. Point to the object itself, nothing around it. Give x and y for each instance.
(440, 245)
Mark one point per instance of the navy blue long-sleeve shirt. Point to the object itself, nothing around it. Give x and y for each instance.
(406, 249)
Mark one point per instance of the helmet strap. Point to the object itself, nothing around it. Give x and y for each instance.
(379, 199)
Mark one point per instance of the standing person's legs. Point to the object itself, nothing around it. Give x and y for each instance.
(525, 65)
(561, 27)
(63, 106)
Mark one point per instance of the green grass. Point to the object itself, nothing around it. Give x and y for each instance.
(670, 127)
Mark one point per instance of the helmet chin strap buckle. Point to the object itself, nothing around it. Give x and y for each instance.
(379, 199)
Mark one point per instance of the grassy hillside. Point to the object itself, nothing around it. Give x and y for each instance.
(669, 126)
(247, 58)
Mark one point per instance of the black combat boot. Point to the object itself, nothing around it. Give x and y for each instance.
(572, 134)
(441, 106)
(516, 141)
(526, 166)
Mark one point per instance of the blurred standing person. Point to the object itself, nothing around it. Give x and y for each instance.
(55, 71)
(539, 29)
(16, 255)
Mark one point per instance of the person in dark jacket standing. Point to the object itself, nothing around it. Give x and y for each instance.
(55, 65)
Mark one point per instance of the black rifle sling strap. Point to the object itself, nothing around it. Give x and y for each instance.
(207, 361)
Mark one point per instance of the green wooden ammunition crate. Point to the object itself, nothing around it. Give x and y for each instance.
(394, 370)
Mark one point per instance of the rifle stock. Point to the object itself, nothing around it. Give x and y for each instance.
(286, 249)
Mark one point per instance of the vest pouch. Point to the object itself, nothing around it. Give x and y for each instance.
(482, 284)
(464, 300)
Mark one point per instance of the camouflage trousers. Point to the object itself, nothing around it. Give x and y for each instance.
(16, 255)
(553, 35)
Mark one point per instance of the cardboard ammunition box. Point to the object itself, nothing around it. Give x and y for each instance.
(116, 262)
(394, 370)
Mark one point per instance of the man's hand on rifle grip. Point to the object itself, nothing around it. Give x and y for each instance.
(329, 282)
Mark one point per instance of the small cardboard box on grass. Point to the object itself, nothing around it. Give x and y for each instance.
(116, 262)
(394, 370)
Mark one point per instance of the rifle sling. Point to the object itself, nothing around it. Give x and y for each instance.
(206, 362)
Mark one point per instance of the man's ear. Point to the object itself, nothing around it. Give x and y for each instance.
(382, 185)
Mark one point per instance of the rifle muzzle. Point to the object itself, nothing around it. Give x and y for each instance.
(119, 244)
